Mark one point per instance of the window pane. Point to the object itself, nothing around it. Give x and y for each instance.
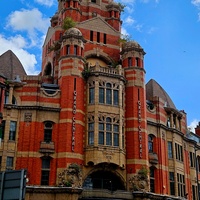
(101, 126)
(48, 131)
(46, 163)
(91, 138)
(45, 177)
(12, 132)
(116, 139)
(108, 138)
(9, 163)
(108, 96)
(116, 97)
(108, 127)
(101, 138)
(2, 129)
(91, 95)
(91, 126)
(170, 154)
(101, 95)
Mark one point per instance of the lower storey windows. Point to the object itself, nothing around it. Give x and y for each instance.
(45, 171)
(181, 185)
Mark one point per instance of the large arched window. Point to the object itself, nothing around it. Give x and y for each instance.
(103, 179)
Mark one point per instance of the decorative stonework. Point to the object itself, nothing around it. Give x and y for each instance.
(139, 182)
(71, 177)
(28, 117)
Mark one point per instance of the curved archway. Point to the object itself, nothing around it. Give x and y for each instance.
(48, 69)
(103, 179)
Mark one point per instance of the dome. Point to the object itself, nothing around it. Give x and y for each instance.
(132, 46)
(55, 16)
(73, 32)
(154, 89)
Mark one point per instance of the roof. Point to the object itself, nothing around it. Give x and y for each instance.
(153, 89)
(10, 66)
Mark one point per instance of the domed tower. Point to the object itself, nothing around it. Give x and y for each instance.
(114, 15)
(71, 126)
(135, 101)
(69, 8)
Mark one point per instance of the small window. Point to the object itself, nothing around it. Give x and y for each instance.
(68, 49)
(152, 179)
(98, 37)
(93, 1)
(2, 129)
(101, 133)
(150, 143)
(137, 62)
(91, 95)
(48, 126)
(45, 171)
(170, 150)
(108, 94)
(104, 38)
(101, 95)
(172, 183)
(129, 61)
(9, 163)
(91, 133)
(6, 97)
(12, 132)
(116, 135)
(75, 50)
(91, 35)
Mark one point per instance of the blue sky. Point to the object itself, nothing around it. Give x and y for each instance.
(168, 30)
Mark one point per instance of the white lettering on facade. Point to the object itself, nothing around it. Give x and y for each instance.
(139, 128)
(74, 121)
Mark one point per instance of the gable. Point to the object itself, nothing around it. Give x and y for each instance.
(99, 25)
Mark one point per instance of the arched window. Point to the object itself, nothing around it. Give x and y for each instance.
(48, 68)
(150, 143)
(48, 126)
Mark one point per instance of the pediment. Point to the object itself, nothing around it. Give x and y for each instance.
(99, 25)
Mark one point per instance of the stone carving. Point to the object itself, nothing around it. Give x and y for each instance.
(28, 117)
(71, 177)
(140, 182)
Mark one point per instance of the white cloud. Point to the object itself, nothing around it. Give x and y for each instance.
(196, 2)
(48, 3)
(29, 21)
(193, 125)
(129, 20)
(17, 44)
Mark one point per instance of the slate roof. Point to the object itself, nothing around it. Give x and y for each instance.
(154, 89)
(10, 66)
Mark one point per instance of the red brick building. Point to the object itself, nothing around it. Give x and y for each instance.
(87, 127)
